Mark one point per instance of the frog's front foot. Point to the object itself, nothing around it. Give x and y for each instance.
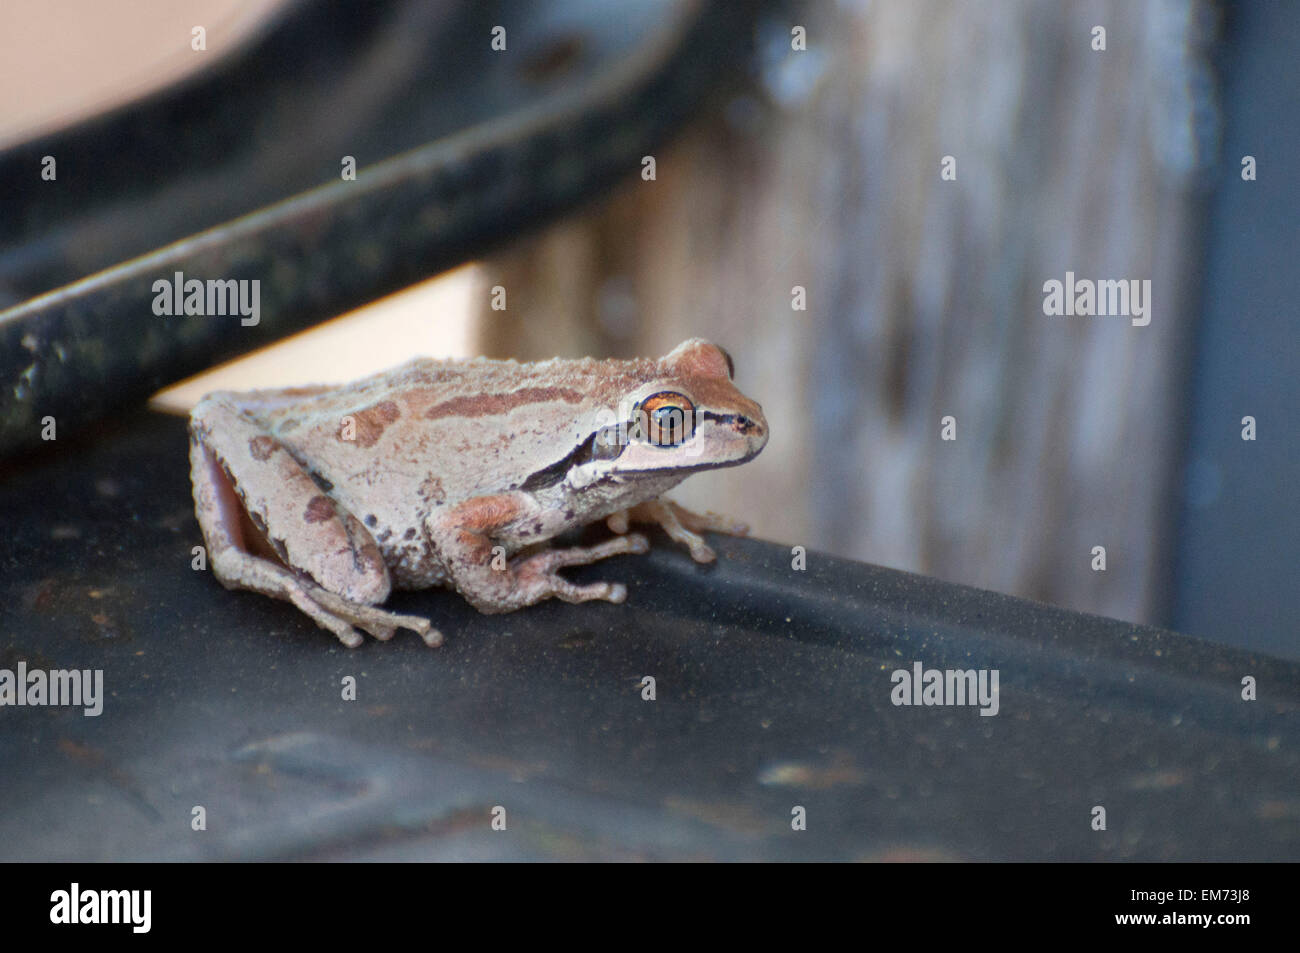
(492, 585)
(536, 576)
(530, 579)
(682, 525)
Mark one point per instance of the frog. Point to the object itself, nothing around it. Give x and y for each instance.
(459, 473)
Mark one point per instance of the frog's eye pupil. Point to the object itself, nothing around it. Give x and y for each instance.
(668, 423)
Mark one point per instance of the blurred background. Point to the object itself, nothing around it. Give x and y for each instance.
(805, 223)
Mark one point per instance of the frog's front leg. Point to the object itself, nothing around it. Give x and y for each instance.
(469, 534)
(682, 525)
(269, 528)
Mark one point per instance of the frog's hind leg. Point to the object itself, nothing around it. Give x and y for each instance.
(254, 536)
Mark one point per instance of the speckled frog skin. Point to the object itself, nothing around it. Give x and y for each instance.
(457, 473)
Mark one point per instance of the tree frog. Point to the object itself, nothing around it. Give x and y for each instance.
(456, 473)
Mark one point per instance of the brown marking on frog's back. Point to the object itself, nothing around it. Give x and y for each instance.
(482, 514)
(486, 405)
(319, 509)
(262, 447)
(371, 422)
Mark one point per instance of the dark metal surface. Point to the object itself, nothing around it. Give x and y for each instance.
(773, 690)
(235, 175)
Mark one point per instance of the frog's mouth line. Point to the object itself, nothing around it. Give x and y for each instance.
(720, 465)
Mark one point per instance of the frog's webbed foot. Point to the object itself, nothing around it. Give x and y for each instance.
(682, 525)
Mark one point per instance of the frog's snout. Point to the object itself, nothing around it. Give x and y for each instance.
(753, 428)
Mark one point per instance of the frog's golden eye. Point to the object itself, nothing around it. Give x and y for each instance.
(666, 419)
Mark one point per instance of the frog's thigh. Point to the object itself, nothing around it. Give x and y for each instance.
(468, 530)
(239, 466)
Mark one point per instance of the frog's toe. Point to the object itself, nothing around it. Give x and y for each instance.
(701, 551)
(324, 618)
(350, 637)
(567, 591)
(383, 625)
(380, 623)
(708, 522)
(618, 522)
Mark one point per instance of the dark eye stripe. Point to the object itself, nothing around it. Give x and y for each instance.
(739, 420)
(605, 444)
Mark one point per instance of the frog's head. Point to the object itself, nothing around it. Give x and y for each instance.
(662, 419)
(688, 416)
